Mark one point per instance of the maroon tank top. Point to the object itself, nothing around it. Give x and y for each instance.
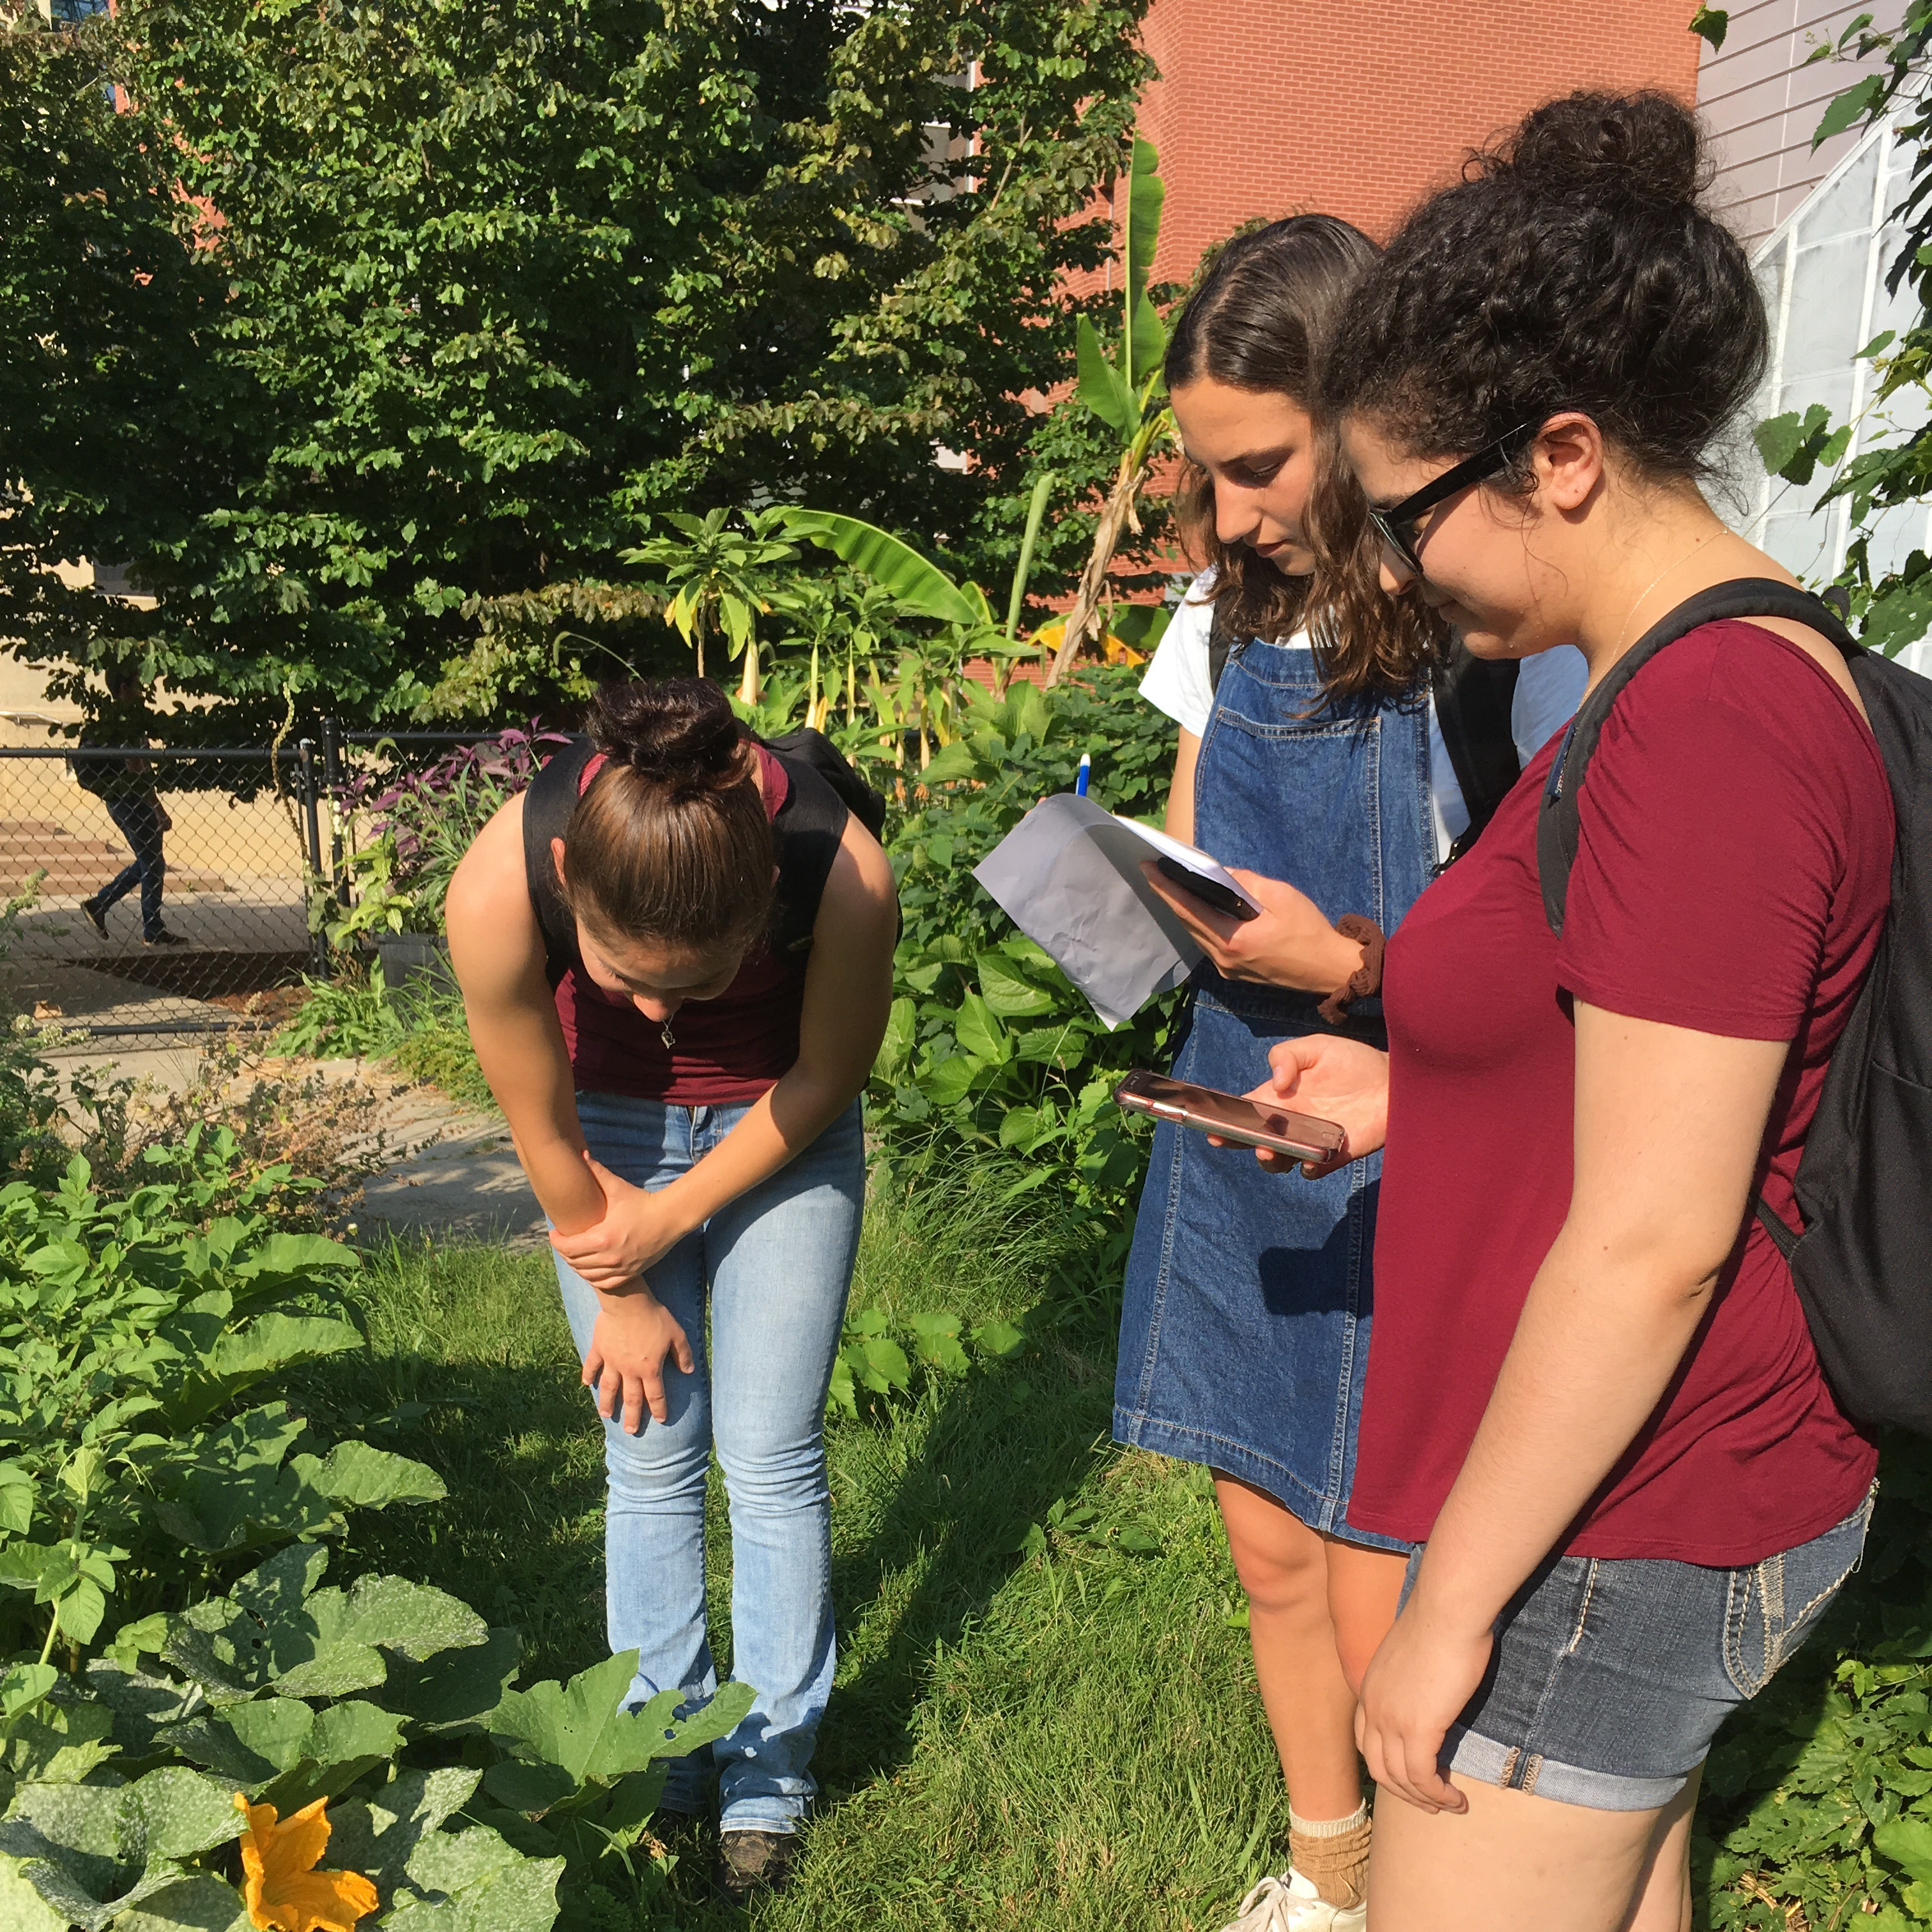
(730, 1049)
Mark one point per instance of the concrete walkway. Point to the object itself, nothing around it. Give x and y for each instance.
(463, 1184)
(453, 1177)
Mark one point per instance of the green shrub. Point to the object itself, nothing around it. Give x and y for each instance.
(138, 1336)
(1816, 1808)
(989, 1049)
(150, 1468)
(420, 1029)
(353, 1017)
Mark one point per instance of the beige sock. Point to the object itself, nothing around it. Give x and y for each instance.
(1333, 1854)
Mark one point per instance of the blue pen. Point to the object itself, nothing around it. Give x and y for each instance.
(1086, 773)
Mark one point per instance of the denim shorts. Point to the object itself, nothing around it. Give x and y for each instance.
(1611, 1676)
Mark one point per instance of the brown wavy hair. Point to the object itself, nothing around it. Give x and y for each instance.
(1261, 320)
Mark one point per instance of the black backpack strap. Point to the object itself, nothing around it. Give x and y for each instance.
(1221, 642)
(1557, 820)
(805, 835)
(547, 804)
(1475, 697)
(806, 832)
(815, 748)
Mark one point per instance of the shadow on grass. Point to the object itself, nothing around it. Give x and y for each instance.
(471, 1372)
(1006, 1444)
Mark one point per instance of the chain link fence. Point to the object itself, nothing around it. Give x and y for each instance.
(182, 890)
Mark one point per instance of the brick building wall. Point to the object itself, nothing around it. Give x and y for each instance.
(1266, 107)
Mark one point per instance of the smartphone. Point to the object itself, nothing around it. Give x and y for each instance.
(1299, 1136)
(1210, 891)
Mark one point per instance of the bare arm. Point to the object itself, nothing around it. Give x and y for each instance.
(1180, 820)
(497, 950)
(1668, 1126)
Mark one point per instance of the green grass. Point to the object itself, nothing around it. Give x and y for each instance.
(1070, 1739)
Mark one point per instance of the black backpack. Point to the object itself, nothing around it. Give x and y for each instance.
(1863, 1265)
(815, 749)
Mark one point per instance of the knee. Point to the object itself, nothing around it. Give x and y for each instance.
(1280, 1575)
(774, 1479)
(655, 1469)
(1356, 1648)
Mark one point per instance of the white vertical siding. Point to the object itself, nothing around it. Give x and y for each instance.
(1761, 103)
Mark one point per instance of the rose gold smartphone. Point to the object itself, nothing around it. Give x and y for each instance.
(1301, 1136)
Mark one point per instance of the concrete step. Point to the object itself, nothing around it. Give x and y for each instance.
(64, 880)
(18, 838)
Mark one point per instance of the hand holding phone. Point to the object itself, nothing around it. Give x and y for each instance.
(1290, 943)
(1300, 1137)
(1210, 891)
(1347, 1079)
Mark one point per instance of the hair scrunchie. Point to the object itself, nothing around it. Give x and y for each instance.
(1366, 982)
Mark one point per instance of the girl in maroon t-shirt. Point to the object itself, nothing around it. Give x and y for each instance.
(1591, 1395)
(675, 951)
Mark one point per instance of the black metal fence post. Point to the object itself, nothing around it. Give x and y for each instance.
(311, 807)
(332, 774)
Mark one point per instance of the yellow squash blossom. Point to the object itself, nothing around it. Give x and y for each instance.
(280, 1883)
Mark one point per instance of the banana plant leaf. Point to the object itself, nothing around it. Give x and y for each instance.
(1101, 388)
(1145, 194)
(921, 589)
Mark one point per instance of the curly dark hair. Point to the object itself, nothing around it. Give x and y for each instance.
(1572, 267)
(1259, 321)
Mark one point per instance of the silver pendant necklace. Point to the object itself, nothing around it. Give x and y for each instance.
(664, 1034)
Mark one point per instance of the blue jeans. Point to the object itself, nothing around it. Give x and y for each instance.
(139, 823)
(776, 1263)
(1611, 1675)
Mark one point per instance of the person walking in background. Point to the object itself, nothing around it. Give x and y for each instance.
(675, 950)
(1592, 1394)
(126, 787)
(1305, 762)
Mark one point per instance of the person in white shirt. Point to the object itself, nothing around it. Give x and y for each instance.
(1312, 771)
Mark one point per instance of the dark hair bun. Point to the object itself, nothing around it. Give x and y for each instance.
(1642, 148)
(1573, 267)
(680, 732)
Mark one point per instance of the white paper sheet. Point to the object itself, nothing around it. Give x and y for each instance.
(1190, 858)
(1068, 875)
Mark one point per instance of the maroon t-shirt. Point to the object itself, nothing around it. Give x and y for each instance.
(731, 1048)
(1732, 873)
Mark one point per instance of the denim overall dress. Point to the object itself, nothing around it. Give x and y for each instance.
(1244, 1336)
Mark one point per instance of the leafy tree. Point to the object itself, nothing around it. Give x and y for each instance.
(463, 297)
(1895, 606)
(113, 418)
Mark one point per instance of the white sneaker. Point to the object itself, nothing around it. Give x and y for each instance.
(1290, 1904)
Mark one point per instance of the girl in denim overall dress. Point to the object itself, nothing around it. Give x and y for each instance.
(1245, 1333)
(675, 951)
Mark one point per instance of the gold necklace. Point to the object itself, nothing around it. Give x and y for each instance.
(1658, 579)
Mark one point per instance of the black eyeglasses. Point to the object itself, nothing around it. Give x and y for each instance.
(1397, 525)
